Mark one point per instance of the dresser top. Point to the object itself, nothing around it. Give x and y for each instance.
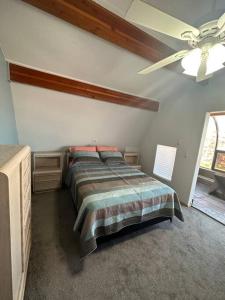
(7, 152)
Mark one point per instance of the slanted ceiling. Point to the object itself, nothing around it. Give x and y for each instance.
(41, 41)
(49, 119)
(94, 18)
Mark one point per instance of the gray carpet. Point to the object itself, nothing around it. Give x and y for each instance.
(163, 261)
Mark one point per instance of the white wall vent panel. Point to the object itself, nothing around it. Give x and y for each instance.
(164, 161)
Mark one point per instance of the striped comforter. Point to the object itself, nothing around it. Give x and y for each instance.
(111, 197)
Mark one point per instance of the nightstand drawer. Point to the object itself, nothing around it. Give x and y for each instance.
(53, 176)
(46, 185)
(46, 161)
(47, 181)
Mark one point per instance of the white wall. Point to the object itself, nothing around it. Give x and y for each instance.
(180, 123)
(48, 120)
(8, 133)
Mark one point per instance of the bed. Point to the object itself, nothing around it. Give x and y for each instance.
(110, 196)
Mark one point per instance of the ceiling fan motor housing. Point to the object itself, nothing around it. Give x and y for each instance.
(207, 35)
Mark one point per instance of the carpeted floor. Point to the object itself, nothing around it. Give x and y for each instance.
(162, 261)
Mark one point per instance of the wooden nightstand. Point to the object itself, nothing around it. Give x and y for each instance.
(132, 159)
(47, 171)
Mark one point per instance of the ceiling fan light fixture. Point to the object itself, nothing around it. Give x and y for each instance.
(191, 62)
(211, 68)
(190, 72)
(217, 52)
(215, 61)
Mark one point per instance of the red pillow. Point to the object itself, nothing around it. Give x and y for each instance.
(82, 148)
(107, 148)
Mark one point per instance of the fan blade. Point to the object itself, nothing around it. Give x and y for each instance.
(221, 21)
(221, 25)
(150, 17)
(164, 62)
(203, 66)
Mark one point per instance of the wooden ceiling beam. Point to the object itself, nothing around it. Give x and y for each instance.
(61, 84)
(93, 18)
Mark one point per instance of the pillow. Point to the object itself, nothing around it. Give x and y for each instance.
(107, 148)
(79, 154)
(84, 156)
(82, 148)
(105, 155)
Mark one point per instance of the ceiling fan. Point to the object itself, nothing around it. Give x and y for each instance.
(207, 54)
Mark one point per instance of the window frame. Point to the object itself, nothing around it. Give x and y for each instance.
(216, 151)
(216, 144)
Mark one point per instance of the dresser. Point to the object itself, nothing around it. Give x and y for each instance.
(15, 219)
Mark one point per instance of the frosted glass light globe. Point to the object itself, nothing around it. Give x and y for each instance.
(192, 61)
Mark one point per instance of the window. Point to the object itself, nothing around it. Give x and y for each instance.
(219, 161)
(220, 120)
(209, 145)
(213, 155)
(164, 161)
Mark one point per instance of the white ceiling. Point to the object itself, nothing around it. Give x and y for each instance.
(194, 12)
(200, 9)
(32, 37)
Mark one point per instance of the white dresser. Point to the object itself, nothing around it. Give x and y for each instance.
(15, 219)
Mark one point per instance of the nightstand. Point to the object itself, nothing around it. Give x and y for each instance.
(47, 171)
(132, 159)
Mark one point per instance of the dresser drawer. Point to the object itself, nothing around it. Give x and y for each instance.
(27, 247)
(26, 164)
(27, 224)
(26, 193)
(25, 187)
(26, 236)
(26, 202)
(26, 182)
(26, 250)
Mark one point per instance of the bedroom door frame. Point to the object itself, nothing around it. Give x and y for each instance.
(197, 166)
